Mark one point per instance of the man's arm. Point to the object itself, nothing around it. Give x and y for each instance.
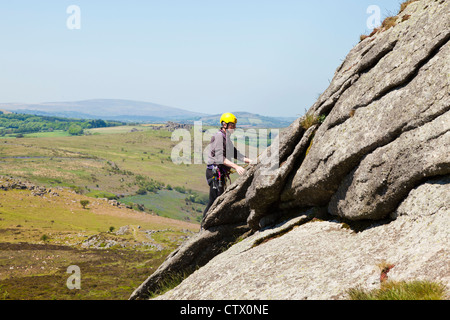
(232, 165)
(239, 156)
(237, 167)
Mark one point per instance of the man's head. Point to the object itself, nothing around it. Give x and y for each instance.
(228, 122)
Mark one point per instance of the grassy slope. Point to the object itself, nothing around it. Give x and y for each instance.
(108, 160)
(169, 204)
(82, 160)
(60, 214)
(31, 268)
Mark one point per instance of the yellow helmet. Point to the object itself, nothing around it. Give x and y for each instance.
(227, 118)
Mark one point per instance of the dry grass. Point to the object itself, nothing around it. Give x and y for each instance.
(393, 290)
(41, 236)
(406, 17)
(310, 120)
(58, 216)
(399, 290)
(389, 22)
(363, 37)
(83, 160)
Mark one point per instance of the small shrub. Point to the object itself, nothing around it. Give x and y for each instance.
(148, 185)
(141, 191)
(196, 198)
(102, 194)
(180, 189)
(45, 238)
(311, 119)
(322, 118)
(75, 130)
(4, 295)
(363, 37)
(111, 229)
(84, 203)
(374, 31)
(77, 189)
(389, 22)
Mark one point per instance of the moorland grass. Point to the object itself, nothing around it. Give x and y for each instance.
(85, 160)
(402, 290)
(42, 235)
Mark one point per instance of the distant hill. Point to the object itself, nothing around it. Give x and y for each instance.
(105, 109)
(136, 111)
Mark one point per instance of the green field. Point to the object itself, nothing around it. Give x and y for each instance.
(56, 133)
(170, 204)
(108, 159)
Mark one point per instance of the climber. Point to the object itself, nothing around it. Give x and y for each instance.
(219, 165)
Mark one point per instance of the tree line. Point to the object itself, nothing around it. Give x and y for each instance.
(17, 123)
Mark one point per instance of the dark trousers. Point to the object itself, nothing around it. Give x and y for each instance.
(214, 190)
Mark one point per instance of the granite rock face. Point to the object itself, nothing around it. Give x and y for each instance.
(381, 144)
(322, 260)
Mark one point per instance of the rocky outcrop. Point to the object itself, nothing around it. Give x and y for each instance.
(383, 142)
(323, 259)
(384, 178)
(7, 183)
(172, 126)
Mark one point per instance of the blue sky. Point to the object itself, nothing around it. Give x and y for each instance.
(271, 57)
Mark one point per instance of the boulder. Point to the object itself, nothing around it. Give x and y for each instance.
(384, 178)
(304, 259)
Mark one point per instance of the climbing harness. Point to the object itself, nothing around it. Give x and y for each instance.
(219, 176)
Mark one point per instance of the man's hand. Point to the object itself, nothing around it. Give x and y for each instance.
(240, 170)
(236, 167)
